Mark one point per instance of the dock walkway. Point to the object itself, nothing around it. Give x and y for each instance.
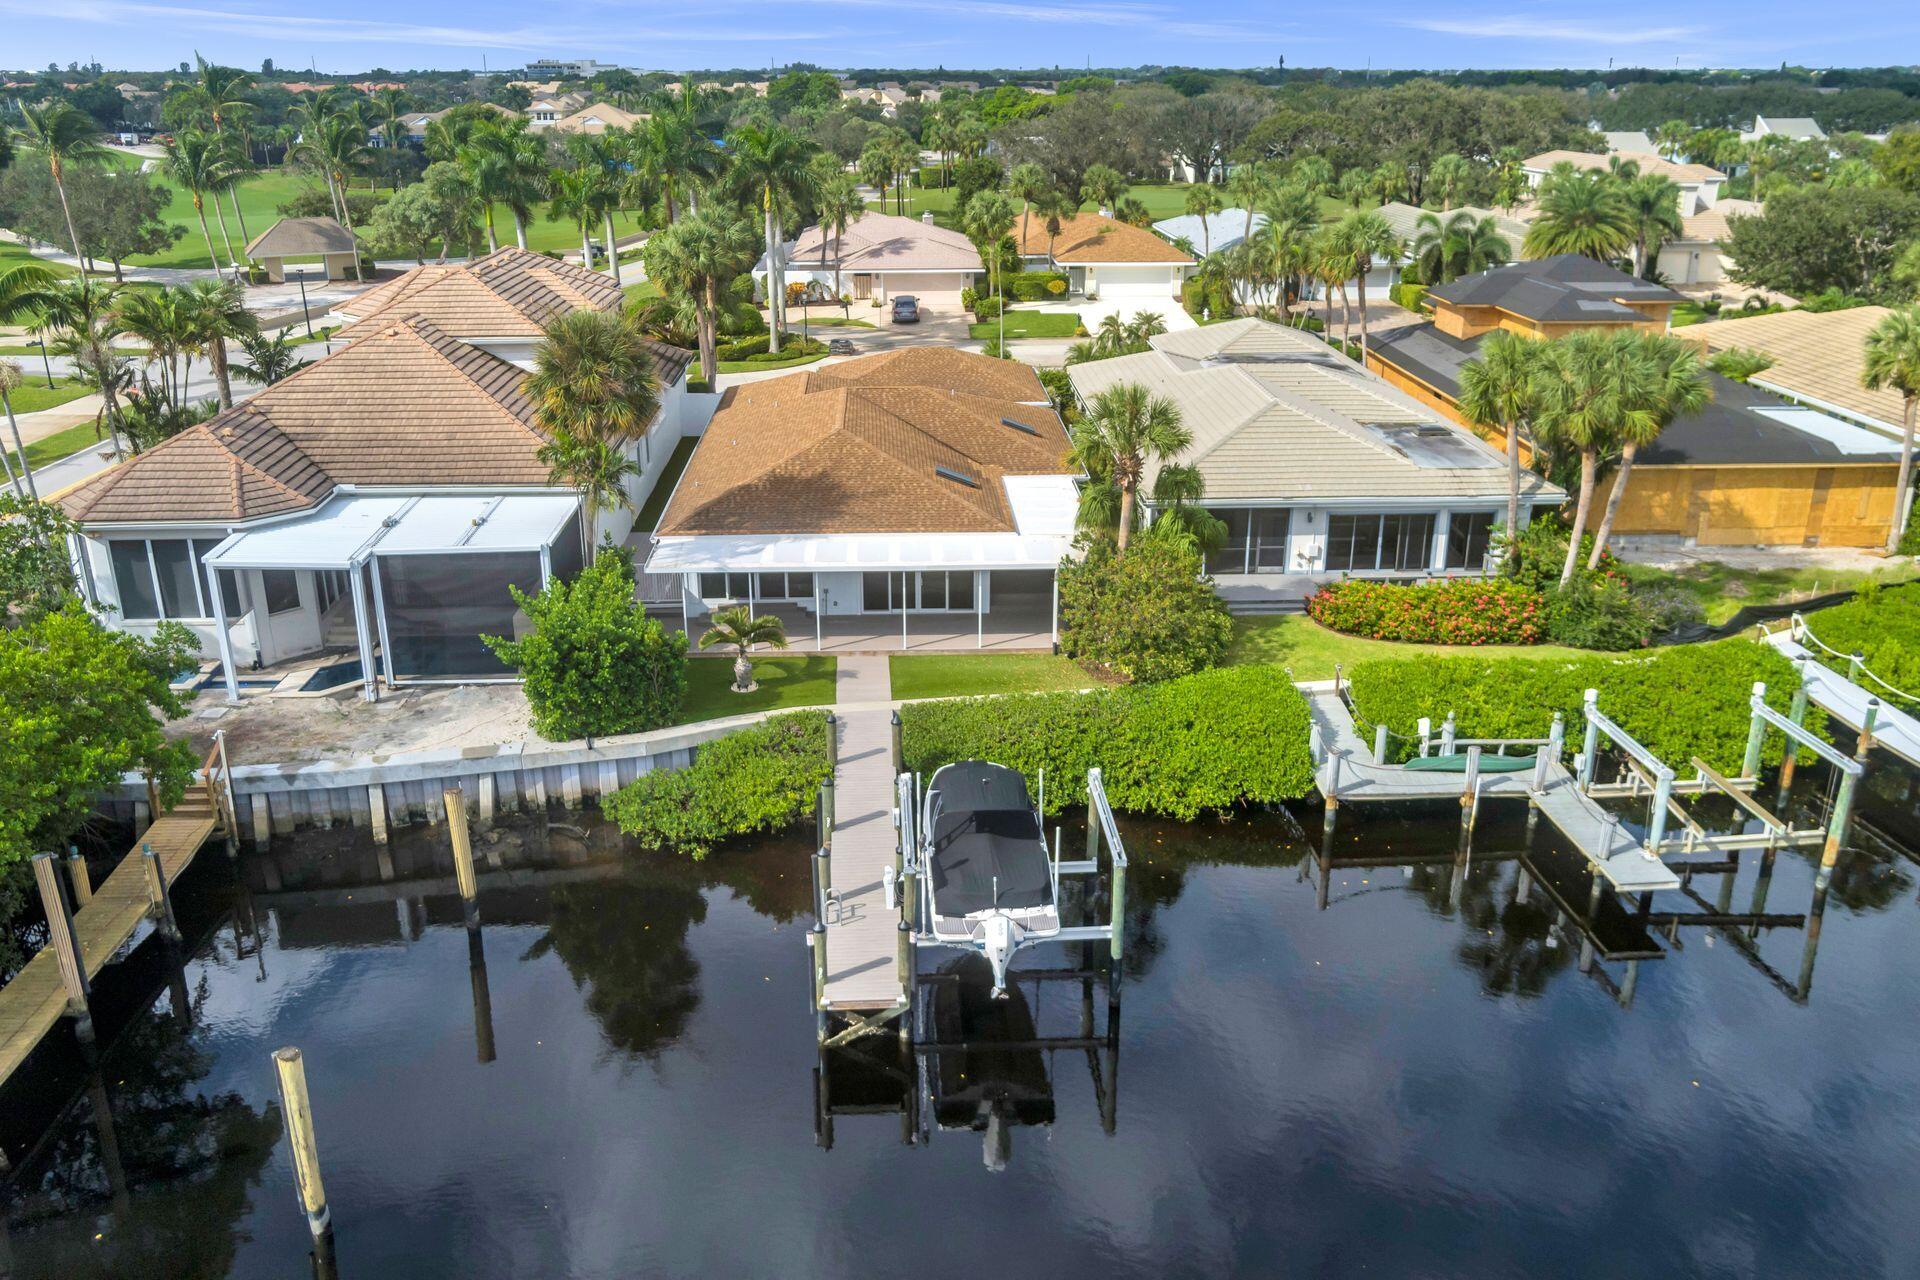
(34, 1002)
(1349, 773)
(1845, 701)
(862, 930)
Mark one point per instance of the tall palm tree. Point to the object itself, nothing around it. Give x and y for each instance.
(1367, 239)
(1103, 185)
(1677, 387)
(86, 318)
(1027, 182)
(604, 156)
(221, 94)
(388, 106)
(154, 317)
(1671, 138)
(1055, 208)
(508, 166)
(1447, 179)
(216, 313)
(1498, 389)
(839, 206)
(1312, 174)
(342, 148)
(1248, 186)
(989, 218)
(1583, 212)
(1893, 360)
(1202, 202)
(1460, 246)
(1124, 431)
(574, 196)
(771, 167)
(65, 136)
(695, 260)
(197, 162)
(737, 629)
(594, 394)
(675, 146)
(1653, 205)
(11, 380)
(1594, 391)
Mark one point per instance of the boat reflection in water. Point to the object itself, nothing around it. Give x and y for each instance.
(973, 1060)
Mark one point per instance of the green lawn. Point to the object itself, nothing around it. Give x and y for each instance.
(968, 675)
(1030, 324)
(644, 291)
(834, 322)
(1723, 589)
(34, 396)
(1310, 650)
(761, 366)
(785, 680)
(58, 445)
(649, 515)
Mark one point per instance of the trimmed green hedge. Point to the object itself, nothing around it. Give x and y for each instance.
(1679, 703)
(1883, 626)
(1210, 741)
(1407, 295)
(1034, 286)
(762, 778)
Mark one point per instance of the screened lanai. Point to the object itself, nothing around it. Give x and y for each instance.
(423, 577)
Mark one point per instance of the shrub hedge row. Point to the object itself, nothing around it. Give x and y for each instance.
(1680, 703)
(1209, 741)
(761, 778)
(1450, 611)
(1034, 286)
(1883, 626)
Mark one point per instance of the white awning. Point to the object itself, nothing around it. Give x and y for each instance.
(351, 527)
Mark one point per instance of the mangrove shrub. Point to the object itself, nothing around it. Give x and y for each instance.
(1882, 625)
(1147, 615)
(761, 778)
(1211, 741)
(1680, 703)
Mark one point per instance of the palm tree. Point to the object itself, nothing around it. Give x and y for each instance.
(197, 162)
(1367, 238)
(342, 148)
(215, 312)
(1671, 138)
(1124, 430)
(1027, 182)
(674, 147)
(508, 166)
(574, 195)
(1103, 185)
(1055, 207)
(696, 259)
(388, 106)
(737, 629)
(1356, 185)
(1893, 360)
(1460, 246)
(1249, 186)
(1203, 201)
(603, 156)
(1581, 212)
(154, 317)
(1653, 204)
(1677, 388)
(875, 168)
(1594, 390)
(269, 359)
(1312, 174)
(1447, 178)
(838, 206)
(989, 218)
(86, 318)
(594, 394)
(771, 167)
(11, 380)
(65, 135)
(221, 95)
(1497, 389)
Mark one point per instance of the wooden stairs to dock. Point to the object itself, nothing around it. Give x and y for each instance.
(109, 914)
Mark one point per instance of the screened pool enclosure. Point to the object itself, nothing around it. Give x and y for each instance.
(420, 578)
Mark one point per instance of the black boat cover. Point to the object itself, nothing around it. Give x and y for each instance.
(984, 830)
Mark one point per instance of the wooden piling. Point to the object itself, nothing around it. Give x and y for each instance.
(489, 799)
(297, 1111)
(817, 941)
(262, 828)
(66, 947)
(899, 756)
(823, 816)
(463, 873)
(1867, 721)
(903, 960)
(77, 876)
(1797, 713)
(159, 904)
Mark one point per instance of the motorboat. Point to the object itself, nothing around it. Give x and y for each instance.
(993, 886)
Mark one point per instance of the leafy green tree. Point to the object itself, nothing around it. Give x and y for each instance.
(79, 706)
(1592, 392)
(1818, 238)
(695, 261)
(1893, 361)
(1459, 246)
(738, 629)
(36, 571)
(593, 662)
(1498, 388)
(1145, 616)
(1446, 180)
(1124, 431)
(408, 224)
(1898, 160)
(762, 778)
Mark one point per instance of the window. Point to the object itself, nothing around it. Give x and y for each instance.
(1406, 542)
(1353, 543)
(933, 590)
(1399, 543)
(160, 577)
(438, 607)
(960, 590)
(723, 586)
(281, 588)
(800, 586)
(876, 592)
(133, 575)
(1232, 555)
(1469, 538)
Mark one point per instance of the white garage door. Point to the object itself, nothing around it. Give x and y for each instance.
(1135, 282)
(927, 283)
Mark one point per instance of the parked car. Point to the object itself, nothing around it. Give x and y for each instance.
(906, 309)
(840, 347)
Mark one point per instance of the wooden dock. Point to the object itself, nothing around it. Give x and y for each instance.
(34, 1002)
(1348, 772)
(862, 931)
(1846, 701)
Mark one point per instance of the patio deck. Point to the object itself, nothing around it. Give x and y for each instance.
(1024, 626)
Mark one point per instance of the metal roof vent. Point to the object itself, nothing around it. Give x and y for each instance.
(1018, 426)
(958, 477)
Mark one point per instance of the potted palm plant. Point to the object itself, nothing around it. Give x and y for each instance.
(737, 629)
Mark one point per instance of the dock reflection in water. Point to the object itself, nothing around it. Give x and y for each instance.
(611, 1075)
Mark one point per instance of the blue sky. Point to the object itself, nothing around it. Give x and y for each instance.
(352, 35)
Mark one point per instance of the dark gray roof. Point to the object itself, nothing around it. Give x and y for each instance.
(1566, 287)
(1729, 431)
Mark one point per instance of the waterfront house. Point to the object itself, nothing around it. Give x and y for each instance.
(379, 500)
(1319, 469)
(923, 490)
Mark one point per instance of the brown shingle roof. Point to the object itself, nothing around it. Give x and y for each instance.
(509, 293)
(860, 448)
(1096, 238)
(406, 405)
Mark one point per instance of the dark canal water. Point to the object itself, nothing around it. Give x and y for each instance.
(1439, 1073)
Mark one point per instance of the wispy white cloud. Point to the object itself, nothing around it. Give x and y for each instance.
(1518, 26)
(1145, 18)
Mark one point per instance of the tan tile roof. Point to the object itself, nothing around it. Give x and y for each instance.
(509, 293)
(1096, 238)
(299, 238)
(594, 118)
(1709, 226)
(407, 405)
(1818, 356)
(1647, 163)
(858, 448)
(882, 242)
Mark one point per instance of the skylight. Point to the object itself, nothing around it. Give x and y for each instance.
(958, 477)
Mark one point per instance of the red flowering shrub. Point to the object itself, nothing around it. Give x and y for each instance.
(1450, 611)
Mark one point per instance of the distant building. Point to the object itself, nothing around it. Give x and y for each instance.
(1792, 128)
(569, 68)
